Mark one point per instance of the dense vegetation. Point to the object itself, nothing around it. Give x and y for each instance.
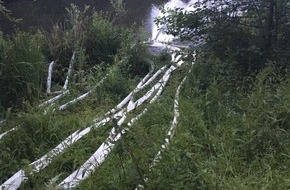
(98, 46)
(233, 130)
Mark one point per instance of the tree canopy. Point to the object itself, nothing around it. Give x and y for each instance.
(250, 32)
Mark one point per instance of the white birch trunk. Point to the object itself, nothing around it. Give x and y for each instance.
(49, 76)
(69, 72)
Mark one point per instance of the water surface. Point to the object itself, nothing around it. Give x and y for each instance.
(43, 13)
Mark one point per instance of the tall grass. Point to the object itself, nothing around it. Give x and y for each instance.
(96, 41)
(233, 131)
(21, 69)
(227, 138)
(234, 139)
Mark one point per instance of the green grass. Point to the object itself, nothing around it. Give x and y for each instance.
(233, 130)
(226, 144)
(22, 67)
(226, 139)
(128, 164)
(234, 124)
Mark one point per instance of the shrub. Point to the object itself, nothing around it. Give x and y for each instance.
(103, 40)
(135, 60)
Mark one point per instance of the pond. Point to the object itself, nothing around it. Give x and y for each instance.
(42, 14)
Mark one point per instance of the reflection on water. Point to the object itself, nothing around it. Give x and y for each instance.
(42, 13)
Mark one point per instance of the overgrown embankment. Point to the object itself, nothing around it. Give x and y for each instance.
(98, 47)
(232, 131)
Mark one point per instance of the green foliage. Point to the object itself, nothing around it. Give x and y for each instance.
(135, 59)
(21, 66)
(228, 137)
(36, 134)
(119, 8)
(66, 38)
(233, 130)
(117, 83)
(233, 140)
(248, 34)
(7, 13)
(103, 41)
(95, 41)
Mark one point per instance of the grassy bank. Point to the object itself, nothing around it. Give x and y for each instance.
(232, 133)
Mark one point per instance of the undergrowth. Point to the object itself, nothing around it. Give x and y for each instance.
(233, 130)
(229, 139)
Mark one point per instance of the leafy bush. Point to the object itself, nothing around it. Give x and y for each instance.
(96, 42)
(104, 40)
(117, 83)
(135, 59)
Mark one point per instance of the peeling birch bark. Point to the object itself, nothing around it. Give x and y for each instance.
(69, 72)
(107, 146)
(156, 74)
(56, 92)
(5, 133)
(64, 106)
(145, 82)
(172, 129)
(132, 105)
(49, 76)
(2, 121)
(174, 123)
(98, 157)
(15, 181)
(54, 99)
(65, 86)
